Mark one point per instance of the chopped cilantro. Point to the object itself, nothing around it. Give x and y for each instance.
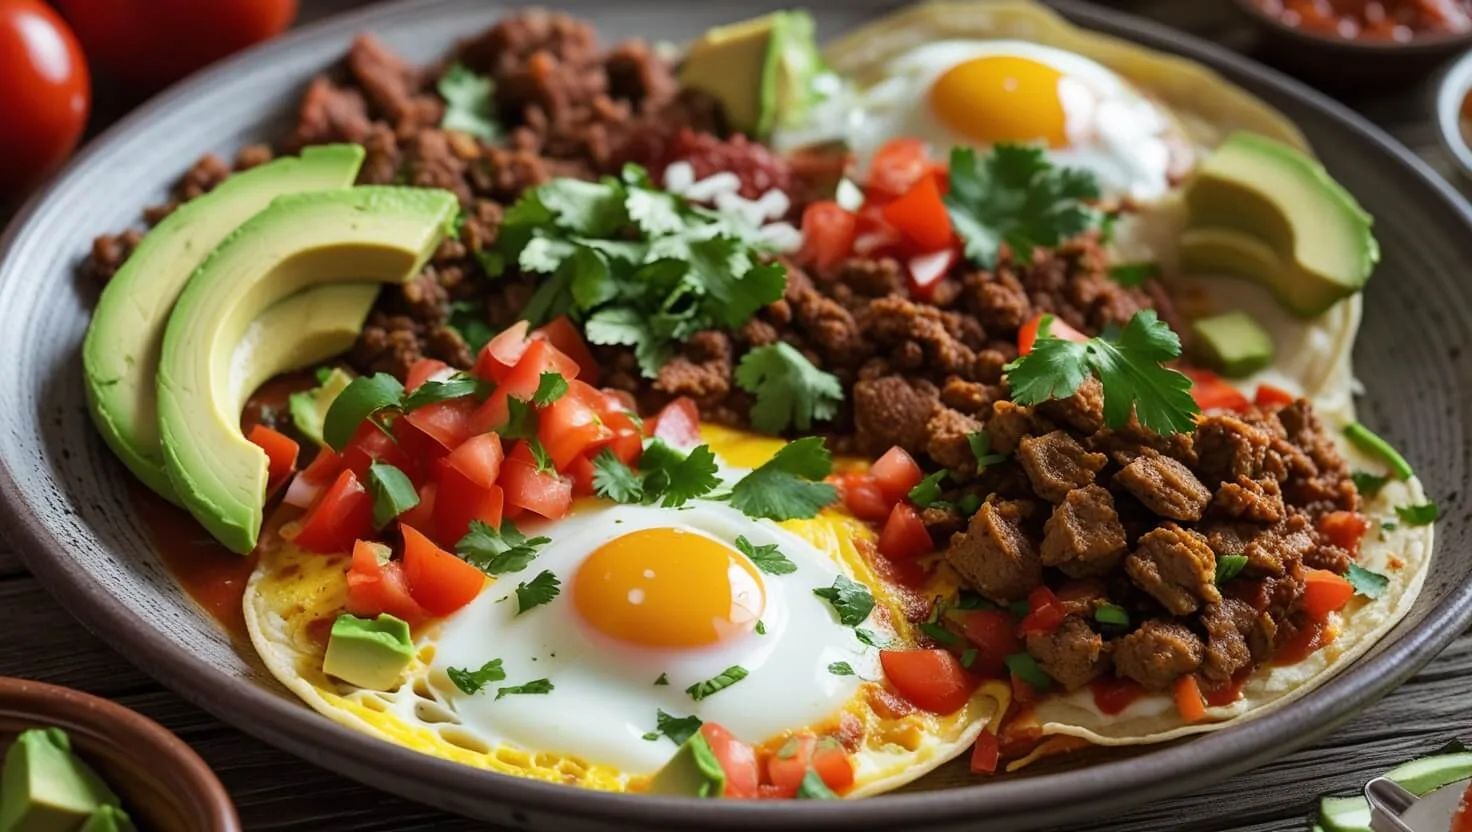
(1025, 667)
(540, 457)
(362, 399)
(927, 491)
(676, 478)
(498, 551)
(812, 787)
(471, 681)
(1229, 567)
(1113, 614)
(677, 728)
(538, 591)
(550, 388)
(457, 386)
(469, 103)
(784, 487)
(767, 557)
(651, 736)
(521, 420)
(940, 634)
(850, 600)
(1388, 526)
(870, 638)
(712, 686)
(761, 627)
(534, 686)
(664, 679)
(1366, 583)
(1133, 274)
(789, 391)
(968, 658)
(393, 493)
(614, 480)
(1130, 367)
(1016, 196)
(981, 448)
(1421, 515)
(1369, 484)
(841, 669)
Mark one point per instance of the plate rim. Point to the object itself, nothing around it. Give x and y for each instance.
(1099, 789)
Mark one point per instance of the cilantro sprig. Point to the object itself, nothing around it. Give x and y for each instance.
(470, 681)
(469, 103)
(716, 684)
(538, 591)
(789, 390)
(374, 398)
(666, 476)
(767, 557)
(1014, 195)
(677, 728)
(788, 486)
(850, 600)
(498, 551)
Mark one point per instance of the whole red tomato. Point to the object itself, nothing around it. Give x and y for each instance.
(44, 93)
(152, 43)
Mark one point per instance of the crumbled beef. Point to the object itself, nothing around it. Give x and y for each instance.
(1319, 476)
(109, 252)
(1158, 653)
(1083, 536)
(1328, 556)
(998, 300)
(329, 113)
(636, 74)
(995, 554)
(942, 522)
(949, 444)
(392, 86)
(1177, 568)
(1056, 464)
(897, 325)
(892, 411)
(969, 397)
(1228, 626)
(871, 278)
(253, 155)
(701, 370)
(1072, 654)
(1008, 424)
(1083, 411)
(1229, 447)
(1260, 501)
(1165, 486)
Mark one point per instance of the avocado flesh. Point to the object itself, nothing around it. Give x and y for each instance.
(121, 352)
(1263, 211)
(356, 235)
(44, 788)
(108, 819)
(1232, 343)
(369, 653)
(326, 321)
(694, 771)
(309, 407)
(761, 70)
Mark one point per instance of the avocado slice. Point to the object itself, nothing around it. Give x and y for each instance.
(1232, 343)
(1264, 211)
(45, 788)
(370, 653)
(326, 321)
(121, 352)
(761, 70)
(354, 235)
(108, 819)
(694, 771)
(309, 407)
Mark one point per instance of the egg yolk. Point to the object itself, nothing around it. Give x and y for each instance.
(1001, 98)
(668, 588)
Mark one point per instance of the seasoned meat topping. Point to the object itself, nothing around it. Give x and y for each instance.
(1056, 464)
(1073, 654)
(1228, 626)
(996, 554)
(1158, 653)
(1177, 568)
(1260, 501)
(1165, 486)
(1083, 536)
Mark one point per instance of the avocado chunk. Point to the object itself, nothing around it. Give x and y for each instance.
(353, 235)
(694, 771)
(325, 320)
(45, 788)
(370, 653)
(1263, 211)
(108, 819)
(761, 70)
(309, 407)
(121, 352)
(1232, 343)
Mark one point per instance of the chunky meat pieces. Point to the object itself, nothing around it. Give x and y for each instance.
(1159, 652)
(1073, 654)
(1083, 536)
(1165, 486)
(1177, 568)
(1228, 627)
(996, 554)
(1056, 464)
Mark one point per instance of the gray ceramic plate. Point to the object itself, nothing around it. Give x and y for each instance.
(66, 509)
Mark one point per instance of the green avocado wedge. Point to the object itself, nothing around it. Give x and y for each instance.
(346, 236)
(123, 343)
(323, 321)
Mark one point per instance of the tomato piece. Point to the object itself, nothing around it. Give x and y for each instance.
(458, 500)
(376, 585)
(921, 216)
(439, 581)
(281, 451)
(985, 754)
(994, 632)
(369, 445)
(927, 270)
(1324, 592)
(904, 535)
(1269, 396)
(45, 97)
(542, 492)
(1045, 613)
(563, 334)
(421, 516)
(1344, 529)
(824, 755)
(423, 370)
(828, 234)
(448, 423)
(478, 458)
(343, 515)
(1027, 336)
(873, 235)
(678, 424)
(501, 353)
(1213, 393)
(1187, 693)
(522, 382)
(737, 759)
(308, 485)
(898, 165)
(568, 427)
(1113, 694)
(932, 680)
(581, 471)
(896, 472)
(862, 497)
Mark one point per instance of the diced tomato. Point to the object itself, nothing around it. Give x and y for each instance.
(343, 515)
(1022, 692)
(1344, 529)
(423, 370)
(522, 382)
(994, 632)
(458, 501)
(1213, 393)
(863, 498)
(376, 587)
(678, 423)
(563, 334)
(828, 234)
(1228, 693)
(447, 423)
(904, 535)
(737, 759)
(932, 680)
(281, 451)
(825, 755)
(921, 216)
(502, 352)
(580, 471)
(421, 516)
(478, 459)
(308, 485)
(926, 271)
(542, 492)
(1028, 334)
(439, 581)
(1189, 703)
(1113, 694)
(621, 400)
(898, 165)
(896, 472)
(615, 408)
(1044, 612)
(369, 445)
(985, 754)
(873, 235)
(1324, 592)
(1270, 396)
(568, 427)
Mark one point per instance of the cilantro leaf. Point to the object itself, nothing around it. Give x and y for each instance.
(871, 638)
(521, 420)
(789, 390)
(393, 493)
(1229, 567)
(675, 478)
(1017, 197)
(812, 787)
(457, 386)
(927, 491)
(841, 669)
(1134, 274)
(613, 480)
(850, 600)
(362, 399)
(550, 388)
(1369, 484)
(538, 591)
(677, 728)
(784, 487)
(498, 551)
(655, 212)
(664, 679)
(469, 103)
(1129, 368)
(540, 457)
(471, 681)
(468, 318)
(1366, 583)
(534, 686)
(767, 557)
(1421, 515)
(761, 627)
(981, 448)
(716, 684)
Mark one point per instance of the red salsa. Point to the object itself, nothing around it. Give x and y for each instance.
(1373, 20)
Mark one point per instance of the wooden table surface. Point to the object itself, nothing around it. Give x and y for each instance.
(274, 790)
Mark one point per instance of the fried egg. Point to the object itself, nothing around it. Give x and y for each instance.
(654, 602)
(982, 93)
